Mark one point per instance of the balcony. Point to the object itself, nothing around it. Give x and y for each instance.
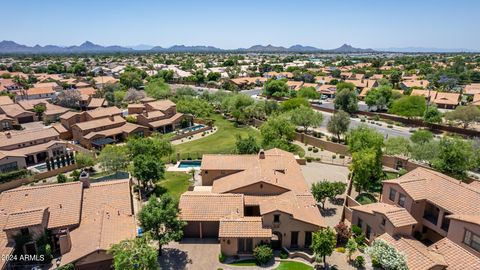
(431, 218)
(276, 225)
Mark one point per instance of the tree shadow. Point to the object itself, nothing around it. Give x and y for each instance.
(337, 201)
(173, 258)
(327, 212)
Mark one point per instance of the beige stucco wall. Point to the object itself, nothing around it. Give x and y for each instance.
(375, 223)
(456, 233)
(287, 225)
(229, 246)
(19, 160)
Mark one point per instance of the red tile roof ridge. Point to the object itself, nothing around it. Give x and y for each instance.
(40, 186)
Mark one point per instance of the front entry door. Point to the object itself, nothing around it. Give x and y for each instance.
(245, 245)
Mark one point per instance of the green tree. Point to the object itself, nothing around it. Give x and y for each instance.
(323, 243)
(194, 106)
(114, 158)
(131, 79)
(363, 137)
(305, 117)
(134, 254)
(345, 85)
(466, 115)
(455, 157)
(397, 146)
(380, 97)
(351, 247)
(157, 89)
(159, 217)
(425, 152)
(84, 160)
(346, 100)
(308, 93)
(155, 146)
(421, 136)
(366, 169)
(339, 123)
(294, 103)
(39, 109)
(409, 106)
(321, 191)
(387, 256)
(432, 115)
(213, 76)
(248, 145)
(236, 104)
(276, 88)
(277, 131)
(147, 169)
(263, 254)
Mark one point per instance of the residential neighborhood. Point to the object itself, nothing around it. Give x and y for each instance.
(213, 136)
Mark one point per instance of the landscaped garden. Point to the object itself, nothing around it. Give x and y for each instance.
(175, 183)
(289, 265)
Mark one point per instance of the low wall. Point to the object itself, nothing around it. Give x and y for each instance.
(319, 143)
(181, 136)
(15, 183)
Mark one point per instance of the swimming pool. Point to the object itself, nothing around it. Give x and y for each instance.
(192, 128)
(194, 164)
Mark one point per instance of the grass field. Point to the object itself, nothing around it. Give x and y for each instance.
(175, 183)
(293, 265)
(222, 142)
(251, 262)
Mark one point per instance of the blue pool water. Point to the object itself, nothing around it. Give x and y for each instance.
(190, 164)
(193, 128)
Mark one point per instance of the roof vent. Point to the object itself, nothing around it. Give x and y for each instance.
(9, 135)
(85, 179)
(261, 154)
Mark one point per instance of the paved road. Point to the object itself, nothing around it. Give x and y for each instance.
(355, 122)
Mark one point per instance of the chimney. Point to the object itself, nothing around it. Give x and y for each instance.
(85, 179)
(421, 82)
(111, 118)
(261, 154)
(9, 135)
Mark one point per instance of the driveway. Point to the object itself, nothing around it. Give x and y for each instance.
(191, 254)
(315, 172)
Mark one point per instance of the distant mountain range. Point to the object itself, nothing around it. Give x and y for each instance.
(11, 47)
(425, 50)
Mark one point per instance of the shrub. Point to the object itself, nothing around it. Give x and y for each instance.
(386, 256)
(341, 156)
(340, 249)
(334, 156)
(318, 159)
(360, 261)
(310, 148)
(402, 171)
(283, 255)
(343, 233)
(309, 159)
(69, 266)
(315, 150)
(263, 254)
(389, 126)
(221, 257)
(356, 230)
(5, 177)
(61, 178)
(376, 117)
(362, 120)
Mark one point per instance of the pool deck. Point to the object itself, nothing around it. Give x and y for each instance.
(176, 168)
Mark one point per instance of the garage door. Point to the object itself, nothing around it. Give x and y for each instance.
(209, 229)
(27, 119)
(192, 230)
(102, 265)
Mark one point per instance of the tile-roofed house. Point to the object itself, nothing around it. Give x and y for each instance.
(472, 89)
(456, 257)
(5, 100)
(379, 218)
(37, 93)
(446, 100)
(104, 80)
(409, 84)
(427, 94)
(103, 112)
(271, 192)
(84, 219)
(417, 255)
(17, 113)
(96, 103)
(20, 139)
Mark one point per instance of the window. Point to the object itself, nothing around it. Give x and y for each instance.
(401, 200)
(369, 232)
(308, 239)
(445, 222)
(360, 223)
(392, 194)
(472, 240)
(276, 218)
(294, 239)
(383, 222)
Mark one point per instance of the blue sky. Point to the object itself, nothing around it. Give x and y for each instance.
(233, 24)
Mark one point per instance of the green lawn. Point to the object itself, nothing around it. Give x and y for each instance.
(293, 265)
(175, 183)
(222, 142)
